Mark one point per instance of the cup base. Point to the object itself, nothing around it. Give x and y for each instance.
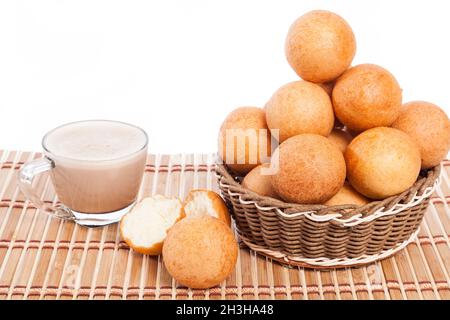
(100, 219)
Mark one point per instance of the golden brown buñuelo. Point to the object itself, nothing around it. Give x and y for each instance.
(200, 252)
(320, 46)
(249, 139)
(341, 138)
(311, 169)
(347, 195)
(366, 96)
(382, 162)
(300, 107)
(429, 127)
(258, 181)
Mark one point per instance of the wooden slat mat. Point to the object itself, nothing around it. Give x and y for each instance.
(45, 258)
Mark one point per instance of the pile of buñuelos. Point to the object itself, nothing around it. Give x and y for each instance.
(344, 135)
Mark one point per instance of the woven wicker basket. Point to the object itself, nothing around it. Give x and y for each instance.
(326, 236)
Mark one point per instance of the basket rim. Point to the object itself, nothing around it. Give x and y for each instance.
(347, 215)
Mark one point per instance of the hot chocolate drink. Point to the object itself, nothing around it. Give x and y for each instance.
(98, 165)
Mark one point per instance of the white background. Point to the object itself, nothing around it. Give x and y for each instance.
(176, 68)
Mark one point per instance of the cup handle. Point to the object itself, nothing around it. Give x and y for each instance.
(25, 180)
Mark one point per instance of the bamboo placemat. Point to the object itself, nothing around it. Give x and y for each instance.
(46, 258)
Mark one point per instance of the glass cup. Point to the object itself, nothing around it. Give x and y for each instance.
(96, 167)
